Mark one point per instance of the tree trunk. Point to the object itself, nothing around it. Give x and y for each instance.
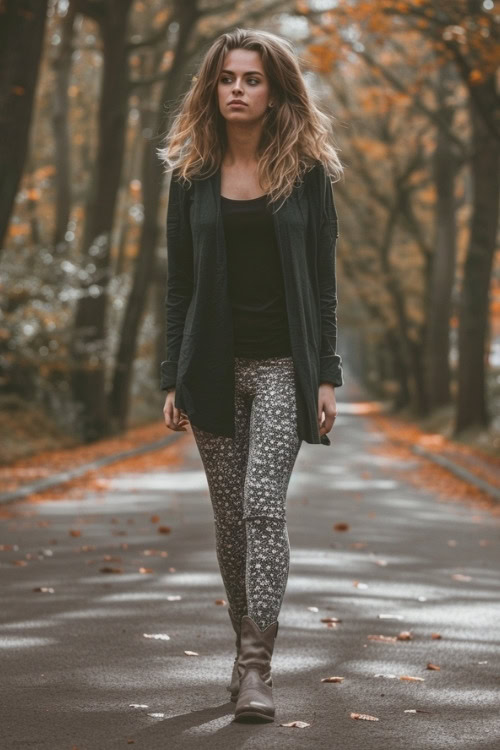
(400, 370)
(89, 342)
(474, 302)
(22, 27)
(443, 263)
(62, 69)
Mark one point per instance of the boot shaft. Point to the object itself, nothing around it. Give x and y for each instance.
(257, 645)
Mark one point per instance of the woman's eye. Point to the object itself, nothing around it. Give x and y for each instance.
(226, 78)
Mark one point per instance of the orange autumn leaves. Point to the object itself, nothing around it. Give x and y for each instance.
(402, 435)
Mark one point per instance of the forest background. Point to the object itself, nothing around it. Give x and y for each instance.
(87, 91)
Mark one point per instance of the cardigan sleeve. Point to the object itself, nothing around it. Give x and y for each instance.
(179, 278)
(330, 361)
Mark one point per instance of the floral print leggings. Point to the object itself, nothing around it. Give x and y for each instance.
(248, 478)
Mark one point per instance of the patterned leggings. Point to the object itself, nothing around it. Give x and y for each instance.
(248, 478)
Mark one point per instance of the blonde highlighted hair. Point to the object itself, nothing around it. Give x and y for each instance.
(295, 134)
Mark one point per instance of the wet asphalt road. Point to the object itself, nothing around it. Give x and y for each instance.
(74, 660)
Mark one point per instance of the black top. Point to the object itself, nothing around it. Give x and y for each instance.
(255, 277)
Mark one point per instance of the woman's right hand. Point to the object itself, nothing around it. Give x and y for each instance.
(175, 419)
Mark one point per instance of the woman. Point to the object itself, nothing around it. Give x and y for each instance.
(251, 316)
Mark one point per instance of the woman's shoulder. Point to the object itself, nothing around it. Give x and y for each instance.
(316, 177)
(316, 173)
(183, 188)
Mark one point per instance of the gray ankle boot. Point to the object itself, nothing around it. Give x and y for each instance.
(255, 698)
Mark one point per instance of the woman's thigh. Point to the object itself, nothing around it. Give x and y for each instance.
(273, 439)
(225, 461)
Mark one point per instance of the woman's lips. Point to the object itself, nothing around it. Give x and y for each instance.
(237, 104)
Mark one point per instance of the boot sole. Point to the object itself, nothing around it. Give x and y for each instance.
(250, 716)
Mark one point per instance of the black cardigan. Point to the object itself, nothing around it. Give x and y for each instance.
(199, 356)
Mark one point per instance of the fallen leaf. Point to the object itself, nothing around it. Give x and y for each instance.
(330, 619)
(75, 532)
(461, 577)
(44, 589)
(435, 636)
(146, 570)
(107, 569)
(220, 601)
(405, 635)
(299, 724)
(191, 653)
(385, 638)
(432, 666)
(313, 609)
(138, 705)
(159, 552)
(411, 679)
(367, 717)
(341, 526)
(154, 519)
(332, 679)
(164, 529)
(19, 562)
(360, 585)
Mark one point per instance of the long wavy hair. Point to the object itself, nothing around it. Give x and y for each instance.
(295, 134)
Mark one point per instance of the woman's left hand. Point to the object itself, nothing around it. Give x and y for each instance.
(327, 405)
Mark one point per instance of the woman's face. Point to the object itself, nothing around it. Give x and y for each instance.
(243, 78)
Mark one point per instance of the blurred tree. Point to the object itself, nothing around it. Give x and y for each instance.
(464, 35)
(22, 27)
(89, 338)
(468, 34)
(62, 63)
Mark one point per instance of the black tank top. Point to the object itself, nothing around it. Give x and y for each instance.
(255, 278)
